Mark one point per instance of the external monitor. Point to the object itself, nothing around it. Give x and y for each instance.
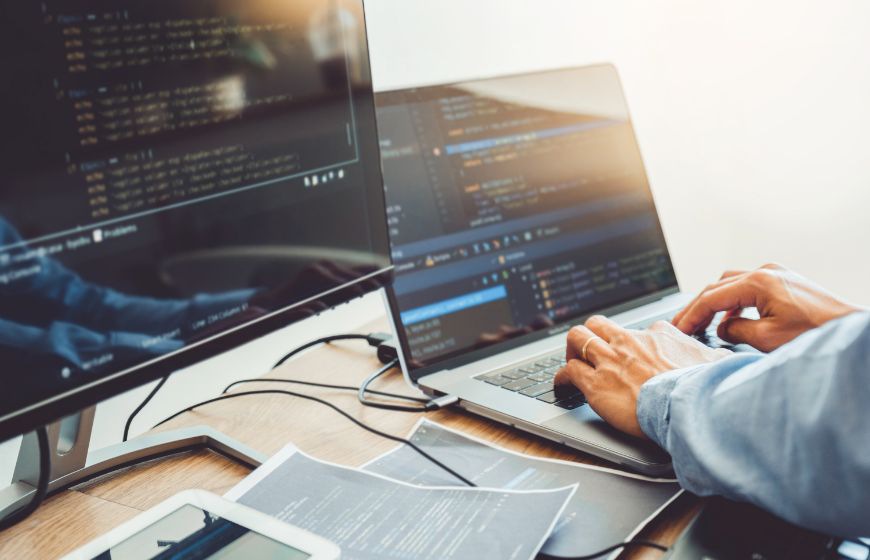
(178, 178)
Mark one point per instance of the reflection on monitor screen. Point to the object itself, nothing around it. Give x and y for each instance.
(179, 169)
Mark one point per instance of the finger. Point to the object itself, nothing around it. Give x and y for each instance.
(724, 298)
(732, 314)
(604, 327)
(576, 373)
(773, 266)
(741, 331)
(596, 348)
(727, 277)
(599, 351)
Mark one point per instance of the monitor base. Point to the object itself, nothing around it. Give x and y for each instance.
(72, 463)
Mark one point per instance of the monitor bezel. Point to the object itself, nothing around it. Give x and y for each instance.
(414, 374)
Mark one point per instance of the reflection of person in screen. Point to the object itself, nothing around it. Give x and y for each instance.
(54, 319)
(787, 430)
(57, 315)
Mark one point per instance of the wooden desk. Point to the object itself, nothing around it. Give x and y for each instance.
(72, 518)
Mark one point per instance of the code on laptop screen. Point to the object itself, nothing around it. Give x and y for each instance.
(515, 205)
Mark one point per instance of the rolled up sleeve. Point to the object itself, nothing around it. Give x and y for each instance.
(788, 431)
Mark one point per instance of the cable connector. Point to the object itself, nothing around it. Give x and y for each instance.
(377, 338)
(386, 347)
(441, 402)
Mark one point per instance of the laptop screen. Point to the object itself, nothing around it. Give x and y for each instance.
(516, 205)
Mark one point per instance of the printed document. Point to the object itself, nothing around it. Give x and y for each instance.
(371, 516)
(608, 507)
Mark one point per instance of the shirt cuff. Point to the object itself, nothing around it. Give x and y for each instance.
(654, 402)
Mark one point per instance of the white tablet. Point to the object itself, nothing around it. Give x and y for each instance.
(198, 524)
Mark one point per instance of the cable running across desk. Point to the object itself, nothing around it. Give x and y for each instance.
(362, 390)
(609, 549)
(373, 339)
(324, 386)
(428, 406)
(359, 423)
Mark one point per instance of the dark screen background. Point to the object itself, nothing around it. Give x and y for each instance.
(180, 168)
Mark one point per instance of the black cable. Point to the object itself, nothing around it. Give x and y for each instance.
(626, 544)
(141, 406)
(412, 445)
(324, 340)
(41, 485)
(325, 386)
(374, 339)
(361, 394)
(359, 423)
(362, 390)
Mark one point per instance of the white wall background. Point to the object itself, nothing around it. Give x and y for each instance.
(753, 118)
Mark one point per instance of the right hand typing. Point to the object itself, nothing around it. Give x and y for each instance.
(788, 305)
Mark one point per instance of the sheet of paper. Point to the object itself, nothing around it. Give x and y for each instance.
(371, 516)
(609, 506)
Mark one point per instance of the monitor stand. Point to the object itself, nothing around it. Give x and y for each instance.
(73, 463)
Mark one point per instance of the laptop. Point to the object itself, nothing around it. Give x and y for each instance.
(519, 206)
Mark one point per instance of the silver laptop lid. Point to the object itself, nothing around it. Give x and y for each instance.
(517, 206)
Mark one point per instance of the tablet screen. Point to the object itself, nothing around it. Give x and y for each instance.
(192, 533)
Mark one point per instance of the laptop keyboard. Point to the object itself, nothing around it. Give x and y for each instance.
(535, 379)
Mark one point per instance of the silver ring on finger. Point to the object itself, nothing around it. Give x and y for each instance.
(586, 347)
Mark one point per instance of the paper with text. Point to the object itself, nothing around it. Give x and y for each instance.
(371, 516)
(609, 506)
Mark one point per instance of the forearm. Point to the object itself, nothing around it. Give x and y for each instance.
(786, 431)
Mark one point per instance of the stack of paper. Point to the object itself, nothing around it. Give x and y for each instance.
(403, 506)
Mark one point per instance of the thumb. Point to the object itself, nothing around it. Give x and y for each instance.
(738, 330)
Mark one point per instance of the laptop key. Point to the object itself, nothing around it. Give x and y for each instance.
(538, 389)
(518, 385)
(567, 391)
(548, 397)
(497, 380)
(515, 374)
(540, 377)
(572, 403)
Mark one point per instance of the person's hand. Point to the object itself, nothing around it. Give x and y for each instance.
(788, 305)
(619, 361)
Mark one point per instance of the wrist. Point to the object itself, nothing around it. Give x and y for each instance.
(653, 404)
(839, 311)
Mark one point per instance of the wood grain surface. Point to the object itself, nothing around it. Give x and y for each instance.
(268, 422)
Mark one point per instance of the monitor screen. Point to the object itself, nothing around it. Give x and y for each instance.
(178, 177)
(516, 205)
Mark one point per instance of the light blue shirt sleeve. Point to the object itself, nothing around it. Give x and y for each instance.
(788, 431)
